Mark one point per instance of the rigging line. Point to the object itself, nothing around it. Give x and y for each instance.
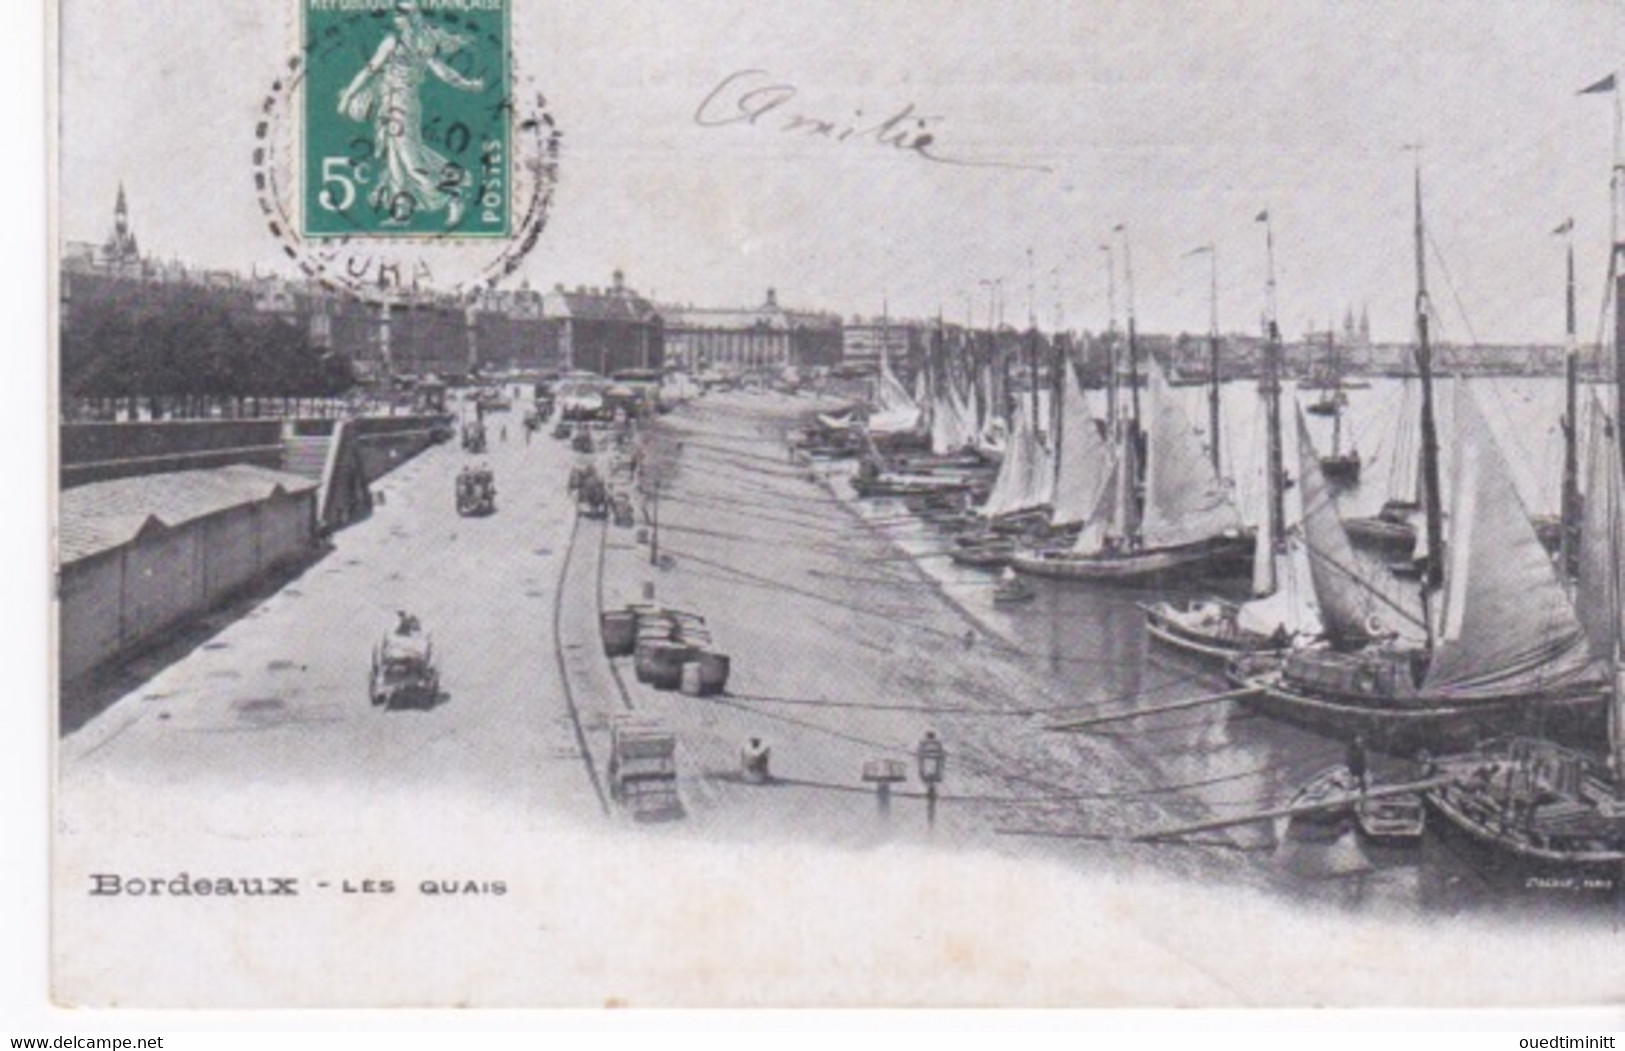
(817, 547)
(1103, 702)
(1163, 728)
(1450, 283)
(740, 578)
(970, 761)
(1355, 575)
(1108, 837)
(1056, 799)
(1384, 599)
(735, 506)
(727, 455)
(709, 467)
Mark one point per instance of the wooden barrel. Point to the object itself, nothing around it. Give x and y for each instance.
(713, 671)
(665, 663)
(654, 630)
(620, 630)
(691, 684)
(643, 661)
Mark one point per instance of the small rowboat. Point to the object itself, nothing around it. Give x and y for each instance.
(1392, 820)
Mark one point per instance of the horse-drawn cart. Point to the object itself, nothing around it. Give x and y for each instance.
(403, 670)
(476, 491)
(643, 769)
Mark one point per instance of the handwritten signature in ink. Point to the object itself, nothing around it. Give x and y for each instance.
(751, 97)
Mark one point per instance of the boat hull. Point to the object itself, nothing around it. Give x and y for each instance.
(917, 485)
(1189, 630)
(1397, 539)
(1566, 826)
(1132, 567)
(1341, 470)
(1399, 729)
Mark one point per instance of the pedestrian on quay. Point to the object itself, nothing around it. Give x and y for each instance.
(1359, 761)
(753, 760)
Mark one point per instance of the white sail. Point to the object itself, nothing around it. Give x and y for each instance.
(1405, 457)
(952, 425)
(895, 409)
(1017, 486)
(991, 433)
(1265, 577)
(1085, 458)
(1103, 519)
(1185, 500)
(1599, 592)
(965, 410)
(1041, 478)
(1291, 606)
(890, 394)
(1358, 598)
(1507, 627)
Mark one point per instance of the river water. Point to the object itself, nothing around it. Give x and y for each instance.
(1223, 759)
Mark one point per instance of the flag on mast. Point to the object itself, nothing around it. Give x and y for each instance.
(1567, 227)
(1601, 87)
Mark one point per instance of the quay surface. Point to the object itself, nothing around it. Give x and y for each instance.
(258, 754)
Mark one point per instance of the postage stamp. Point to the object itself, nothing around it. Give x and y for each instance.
(401, 144)
(408, 118)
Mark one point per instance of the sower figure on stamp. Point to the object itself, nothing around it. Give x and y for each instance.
(413, 176)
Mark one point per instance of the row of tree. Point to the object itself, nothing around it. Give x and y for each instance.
(182, 347)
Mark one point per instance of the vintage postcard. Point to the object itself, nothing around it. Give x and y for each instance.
(1035, 503)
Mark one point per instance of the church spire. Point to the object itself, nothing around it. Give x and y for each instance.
(121, 248)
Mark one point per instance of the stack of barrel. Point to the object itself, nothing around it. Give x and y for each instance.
(670, 649)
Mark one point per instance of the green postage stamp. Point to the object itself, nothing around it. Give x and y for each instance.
(407, 118)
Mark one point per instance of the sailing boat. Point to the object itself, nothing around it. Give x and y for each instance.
(1340, 468)
(1532, 797)
(1392, 531)
(1283, 613)
(1499, 635)
(1083, 456)
(1181, 516)
(1025, 484)
(1283, 610)
(900, 418)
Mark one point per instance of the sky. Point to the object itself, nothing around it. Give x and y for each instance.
(1178, 121)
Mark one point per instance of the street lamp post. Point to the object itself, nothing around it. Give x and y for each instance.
(932, 759)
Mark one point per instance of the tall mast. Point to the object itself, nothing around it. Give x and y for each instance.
(1032, 344)
(1430, 430)
(1133, 350)
(1213, 421)
(1136, 436)
(1569, 513)
(1275, 465)
(1615, 287)
(1616, 709)
(1111, 339)
(1337, 390)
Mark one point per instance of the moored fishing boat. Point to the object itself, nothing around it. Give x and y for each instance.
(1282, 611)
(1498, 636)
(1161, 508)
(1532, 797)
